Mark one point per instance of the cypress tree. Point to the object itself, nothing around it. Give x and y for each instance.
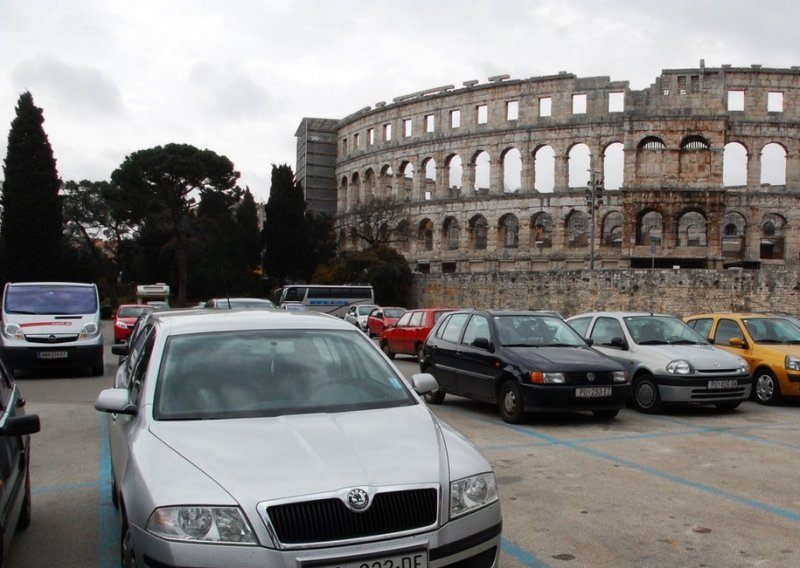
(32, 223)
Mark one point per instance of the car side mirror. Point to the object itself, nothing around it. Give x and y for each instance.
(424, 383)
(589, 341)
(737, 342)
(121, 349)
(21, 425)
(482, 343)
(116, 401)
(619, 343)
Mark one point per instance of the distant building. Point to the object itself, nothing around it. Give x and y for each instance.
(316, 163)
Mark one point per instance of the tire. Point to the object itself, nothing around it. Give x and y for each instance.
(766, 387)
(126, 553)
(114, 495)
(385, 349)
(434, 397)
(24, 519)
(606, 414)
(420, 352)
(728, 405)
(509, 403)
(645, 395)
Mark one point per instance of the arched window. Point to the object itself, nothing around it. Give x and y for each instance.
(652, 143)
(451, 233)
(512, 170)
(649, 229)
(369, 184)
(403, 234)
(614, 165)
(773, 164)
(695, 142)
(541, 231)
(455, 171)
(482, 173)
(772, 236)
(544, 162)
(479, 230)
(612, 230)
(407, 169)
(577, 230)
(509, 231)
(385, 181)
(429, 166)
(425, 234)
(734, 165)
(692, 230)
(734, 229)
(579, 165)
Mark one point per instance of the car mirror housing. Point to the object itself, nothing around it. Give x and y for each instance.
(116, 401)
(737, 342)
(21, 425)
(619, 342)
(424, 383)
(120, 349)
(482, 343)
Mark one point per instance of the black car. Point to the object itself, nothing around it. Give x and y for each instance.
(15, 460)
(523, 361)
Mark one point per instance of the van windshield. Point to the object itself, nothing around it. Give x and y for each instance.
(51, 300)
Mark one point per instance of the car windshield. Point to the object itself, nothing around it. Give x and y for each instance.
(529, 330)
(51, 299)
(365, 310)
(393, 312)
(246, 304)
(772, 330)
(239, 374)
(662, 330)
(132, 311)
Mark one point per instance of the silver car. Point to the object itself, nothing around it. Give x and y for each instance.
(264, 438)
(357, 314)
(669, 362)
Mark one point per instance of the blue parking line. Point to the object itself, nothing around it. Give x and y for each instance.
(109, 530)
(520, 555)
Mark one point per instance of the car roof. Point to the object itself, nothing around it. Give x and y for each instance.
(742, 315)
(509, 312)
(620, 314)
(201, 321)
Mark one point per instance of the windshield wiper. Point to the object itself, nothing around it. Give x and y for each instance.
(684, 342)
(560, 345)
(653, 342)
(521, 345)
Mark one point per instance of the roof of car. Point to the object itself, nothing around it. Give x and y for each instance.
(619, 314)
(771, 315)
(200, 321)
(510, 312)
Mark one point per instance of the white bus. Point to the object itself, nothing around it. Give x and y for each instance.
(330, 299)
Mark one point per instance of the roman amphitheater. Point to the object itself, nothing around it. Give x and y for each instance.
(577, 193)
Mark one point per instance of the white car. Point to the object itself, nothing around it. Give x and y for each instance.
(357, 314)
(259, 438)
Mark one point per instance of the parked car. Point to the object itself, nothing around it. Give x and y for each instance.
(159, 305)
(357, 315)
(408, 335)
(293, 307)
(15, 460)
(278, 436)
(769, 344)
(380, 317)
(240, 304)
(669, 362)
(522, 361)
(124, 318)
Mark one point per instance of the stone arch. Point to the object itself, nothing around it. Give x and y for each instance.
(695, 142)
(402, 233)
(692, 229)
(429, 178)
(483, 172)
(649, 228)
(577, 229)
(344, 194)
(425, 234)
(580, 162)
(544, 165)
(695, 161)
(478, 233)
(541, 230)
(650, 160)
(355, 188)
(512, 170)
(734, 235)
(369, 185)
(773, 237)
(614, 165)
(611, 231)
(407, 190)
(451, 233)
(455, 174)
(734, 164)
(386, 182)
(651, 143)
(773, 164)
(508, 231)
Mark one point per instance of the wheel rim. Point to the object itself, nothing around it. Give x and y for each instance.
(128, 559)
(765, 387)
(510, 402)
(645, 394)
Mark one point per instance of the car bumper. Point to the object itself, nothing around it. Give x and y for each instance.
(47, 357)
(472, 541)
(701, 390)
(557, 398)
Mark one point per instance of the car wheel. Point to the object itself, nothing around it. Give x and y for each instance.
(126, 546)
(606, 414)
(25, 513)
(728, 405)
(645, 395)
(385, 349)
(510, 403)
(420, 352)
(766, 388)
(114, 495)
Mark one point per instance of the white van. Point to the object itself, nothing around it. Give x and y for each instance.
(51, 324)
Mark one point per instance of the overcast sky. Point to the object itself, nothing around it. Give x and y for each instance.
(237, 76)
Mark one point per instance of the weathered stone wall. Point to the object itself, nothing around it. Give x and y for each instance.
(678, 292)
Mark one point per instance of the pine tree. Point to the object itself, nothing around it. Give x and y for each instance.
(285, 235)
(32, 223)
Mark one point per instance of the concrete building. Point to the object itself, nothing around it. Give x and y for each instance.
(316, 163)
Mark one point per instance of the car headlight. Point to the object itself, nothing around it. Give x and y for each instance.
(679, 367)
(13, 331)
(88, 330)
(744, 367)
(792, 363)
(620, 376)
(121, 324)
(471, 493)
(538, 377)
(207, 524)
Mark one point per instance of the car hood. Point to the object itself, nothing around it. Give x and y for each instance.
(257, 459)
(562, 358)
(702, 357)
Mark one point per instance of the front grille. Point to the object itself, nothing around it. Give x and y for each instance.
(326, 520)
(46, 339)
(581, 378)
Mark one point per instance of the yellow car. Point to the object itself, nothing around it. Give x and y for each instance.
(769, 343)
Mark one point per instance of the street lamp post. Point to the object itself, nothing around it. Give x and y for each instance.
(594, 199)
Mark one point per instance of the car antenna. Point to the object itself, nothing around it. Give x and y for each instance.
(225, 285)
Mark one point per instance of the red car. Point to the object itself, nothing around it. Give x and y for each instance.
(125, 318)
(379, 318)
(408, 335)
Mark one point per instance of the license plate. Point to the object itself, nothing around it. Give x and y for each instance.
(408, 560)
(52, 355)
(726, 384)
(592, 392)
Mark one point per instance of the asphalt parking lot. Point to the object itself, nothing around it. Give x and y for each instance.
(693, 487)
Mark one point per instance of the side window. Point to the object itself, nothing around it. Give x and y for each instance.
(702, 326)
(606, 329)
(140, 368)
(453, 327)
(727, 330)
(477, 328)
(416, 319)
(580, 325)
(6, 388)
(403, 321)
